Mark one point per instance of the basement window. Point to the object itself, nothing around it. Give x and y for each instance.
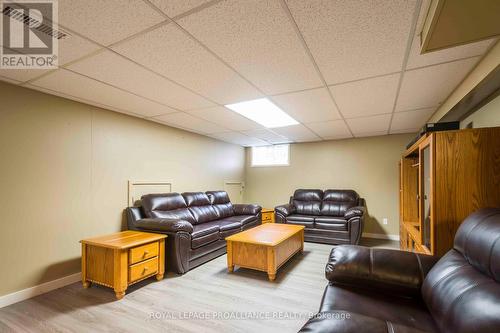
(276, 155)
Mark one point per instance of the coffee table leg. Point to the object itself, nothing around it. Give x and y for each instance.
(302, 241)
(230, 266)
(271, 263)
(120, 273)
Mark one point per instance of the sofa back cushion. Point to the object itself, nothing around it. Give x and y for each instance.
(307, 202)
(199, 205)
(336, 202)
(167, 206)
(462, 291)
(221, 203)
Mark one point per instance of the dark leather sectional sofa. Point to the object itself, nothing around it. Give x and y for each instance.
(395, 291)
(332, 216)
(196, 224)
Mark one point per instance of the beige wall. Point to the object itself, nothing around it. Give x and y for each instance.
(64, 171)
(489, 62)
(487, 116)
(367, 165)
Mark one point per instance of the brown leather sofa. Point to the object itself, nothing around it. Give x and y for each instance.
(378, 290)
(332, 216)
(196, 224)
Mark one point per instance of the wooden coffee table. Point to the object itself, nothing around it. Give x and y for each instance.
(264, 248)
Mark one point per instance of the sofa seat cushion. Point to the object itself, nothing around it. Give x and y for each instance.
(243, 219)
(398, 310)
(330, 223)
(229, 225)
(204, 240)
(331, 226)
(203, 229)
(305, 220)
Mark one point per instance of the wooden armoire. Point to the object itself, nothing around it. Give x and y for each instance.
(444, 177)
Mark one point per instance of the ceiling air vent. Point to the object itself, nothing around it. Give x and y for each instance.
(34, 23)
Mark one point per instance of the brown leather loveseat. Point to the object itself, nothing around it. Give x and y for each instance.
(379, 290)
(196, 224)
(332, 216)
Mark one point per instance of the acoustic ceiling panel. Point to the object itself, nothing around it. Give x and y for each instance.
(72, 84)
(308, 106)
(258, 40)
(113, 69)
(429, 86)
(172, 53)
(366, 97)
(352, 40)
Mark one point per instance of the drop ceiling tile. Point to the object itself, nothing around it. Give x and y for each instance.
(22, 75)
(107, 21)
(366, 97)
(370, 124)
(336, 129)
(239, 139)
(226, 118)
(176, 7)
(81, 100)
(405, 131)
(459, 52)
(430, 86)
(354, 39)
(111, 68)
(72, 84)
(298, 133)
(411, 119)
(267, 135)
(309, 105)
(75, 47)
(190, 123)
(377, 133)
(169, 51)
(258, 40)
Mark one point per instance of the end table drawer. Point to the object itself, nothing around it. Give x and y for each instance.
(143, 269)
(143, 252)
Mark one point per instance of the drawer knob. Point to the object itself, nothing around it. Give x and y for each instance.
(145, 253)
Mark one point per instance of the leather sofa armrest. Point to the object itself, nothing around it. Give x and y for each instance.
(357, 211)
(285, 210)
(247, 209)
(392, 271)
(164, 225)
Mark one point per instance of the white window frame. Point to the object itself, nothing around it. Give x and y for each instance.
(253, 165)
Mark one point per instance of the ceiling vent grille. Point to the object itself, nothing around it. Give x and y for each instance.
(34, 23)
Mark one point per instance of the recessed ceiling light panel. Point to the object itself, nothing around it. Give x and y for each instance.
(264, 112)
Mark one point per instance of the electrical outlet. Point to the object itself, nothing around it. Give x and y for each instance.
(384, 220)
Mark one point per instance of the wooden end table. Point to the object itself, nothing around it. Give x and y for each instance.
(264, 248)
(267, 215)
(121, 259)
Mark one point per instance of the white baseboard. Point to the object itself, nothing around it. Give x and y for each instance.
(381, 236)
(43, 288)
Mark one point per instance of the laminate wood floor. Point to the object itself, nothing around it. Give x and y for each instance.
(243, 301)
